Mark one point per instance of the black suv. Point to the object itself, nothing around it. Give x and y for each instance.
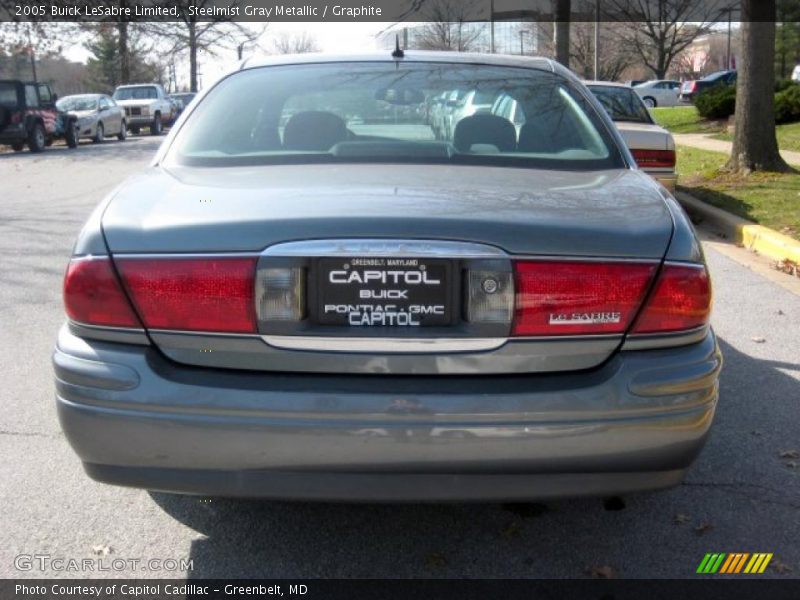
(28, 115)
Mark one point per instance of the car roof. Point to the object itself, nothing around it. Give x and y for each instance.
(134, 85)
(607, 84)
(92, 95)
(505, 60)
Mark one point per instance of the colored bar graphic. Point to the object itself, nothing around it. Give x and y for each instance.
(733, 563)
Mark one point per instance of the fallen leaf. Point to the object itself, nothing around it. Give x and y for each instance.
(781, 313)
(789, 454)
(780, 567)
(703, 528)
(436, 561)
(790, 464)
(759, 340)
(102, 550)
(681, 518)
(512, 530)
(602, 572)
(757, 433)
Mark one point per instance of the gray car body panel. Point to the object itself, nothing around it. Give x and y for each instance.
(522, 211)
(132, 415)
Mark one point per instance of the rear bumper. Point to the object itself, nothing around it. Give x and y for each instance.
(135, 418)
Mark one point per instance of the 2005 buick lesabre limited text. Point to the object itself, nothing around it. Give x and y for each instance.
(316, 291)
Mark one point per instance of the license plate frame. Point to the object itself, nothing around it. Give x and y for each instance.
(401, 293)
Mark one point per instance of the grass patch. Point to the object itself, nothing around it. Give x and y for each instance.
(685, 119)
(770, 199)
(788, 136)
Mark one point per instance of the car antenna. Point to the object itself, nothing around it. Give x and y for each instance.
(398, 51)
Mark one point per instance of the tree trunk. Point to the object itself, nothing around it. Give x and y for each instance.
(562, 15)
(124, 52)
(755, 147)
(192, 55)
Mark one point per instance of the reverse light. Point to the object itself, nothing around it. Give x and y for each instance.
(192, 294)
(681, 300)
(578, 298)
(93, 294)
(280, 294)
(490, 296)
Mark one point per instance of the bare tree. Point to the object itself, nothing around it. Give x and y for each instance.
(288, 43)
(613, 59)
(659, 30)
(192, 34)
(755, 147)
(448, 27)
(561, 16)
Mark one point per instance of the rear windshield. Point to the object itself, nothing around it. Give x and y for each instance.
(372, 112)
(8, 95)
(622, 104)
(136, 93)
(77, 103)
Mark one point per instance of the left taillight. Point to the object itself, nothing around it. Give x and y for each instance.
(93, 294)
(654, 158)
(192, 294)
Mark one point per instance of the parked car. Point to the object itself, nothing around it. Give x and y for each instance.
(796, 73)
(28, 116)
(651, 145)
(536, 295)
(96, 115)
(507, 107)
(690, 89)
(659, 92)
(183, 99)
(145, 105)
(473, 102)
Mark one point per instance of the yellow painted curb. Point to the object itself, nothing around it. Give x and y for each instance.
(768, 242)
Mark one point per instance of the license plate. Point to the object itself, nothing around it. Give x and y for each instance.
(383, 292)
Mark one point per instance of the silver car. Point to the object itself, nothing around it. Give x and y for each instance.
(652, 146)
(97, 116)
(323, 301)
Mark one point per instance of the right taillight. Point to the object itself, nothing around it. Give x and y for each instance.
(654, 158)
(681, 300)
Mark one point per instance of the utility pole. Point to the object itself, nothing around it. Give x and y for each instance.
(33, 57)
(728, 52)
(521, 43)
(491, 26)
(596, 40)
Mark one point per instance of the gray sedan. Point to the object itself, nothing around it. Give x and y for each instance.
(98, 116)
(325, 301)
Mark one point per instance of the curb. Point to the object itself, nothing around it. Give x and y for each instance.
(760, 239)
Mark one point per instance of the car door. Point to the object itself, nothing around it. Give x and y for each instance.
(111, 115)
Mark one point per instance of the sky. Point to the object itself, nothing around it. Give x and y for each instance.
(331, 37)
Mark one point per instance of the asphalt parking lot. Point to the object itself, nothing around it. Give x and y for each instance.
(742, 495)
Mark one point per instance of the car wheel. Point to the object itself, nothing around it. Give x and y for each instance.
(18, 146)
(156, 127)
(72, 134)
(135, 130)
(99, 134)
(37, 138)
(650, 102)
(123, 132)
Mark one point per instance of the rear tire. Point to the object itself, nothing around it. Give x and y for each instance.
(135, 130)
(99, 134)
(72, 134)
(123, 132)
(37, 138)
(18, 146)
(650, 102)
(156, 127)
